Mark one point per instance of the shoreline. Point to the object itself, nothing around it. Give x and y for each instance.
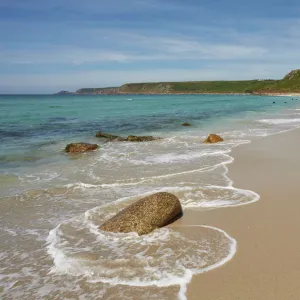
(260, 268)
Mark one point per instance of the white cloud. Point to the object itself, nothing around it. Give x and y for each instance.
(142, 49)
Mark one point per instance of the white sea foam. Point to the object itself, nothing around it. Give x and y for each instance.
(217, 197)
(280, 121)
(72, 258)
(128, 260)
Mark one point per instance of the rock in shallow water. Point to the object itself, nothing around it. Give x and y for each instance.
(106, 135)
(133, 138)
(145, 215)
(213, 138)
(186, 124)
(80, 147)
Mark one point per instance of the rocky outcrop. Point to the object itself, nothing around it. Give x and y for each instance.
(213, 138)
(80, 147)
(134, 138)
(104, 135)
(186, 124)
(145, 215)
(130, 138)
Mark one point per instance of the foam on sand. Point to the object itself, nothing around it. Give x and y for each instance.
(78, 248)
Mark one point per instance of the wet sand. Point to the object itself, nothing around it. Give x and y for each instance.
(267, 262)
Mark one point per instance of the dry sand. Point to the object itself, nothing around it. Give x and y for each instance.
(267, 263)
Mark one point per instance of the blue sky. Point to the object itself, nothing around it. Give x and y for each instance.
(47, 46)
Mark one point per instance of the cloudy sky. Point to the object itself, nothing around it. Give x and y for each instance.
(47, 46)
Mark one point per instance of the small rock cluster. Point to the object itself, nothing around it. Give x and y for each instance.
(130, 138)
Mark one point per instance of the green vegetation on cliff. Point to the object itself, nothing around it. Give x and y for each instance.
(196, 87)
(289, 84)
(97, 90)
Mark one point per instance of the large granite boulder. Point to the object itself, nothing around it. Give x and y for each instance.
(134, 138)
(145, 215)
(80, 147)
(213, 138)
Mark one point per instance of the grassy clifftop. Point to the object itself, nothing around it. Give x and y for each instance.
(289, 84)
(196, 87)
(105, 90)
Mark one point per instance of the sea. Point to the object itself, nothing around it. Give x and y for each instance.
(52, 203)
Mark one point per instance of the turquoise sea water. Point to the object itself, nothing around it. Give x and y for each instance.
(28, 123)
(51, 203)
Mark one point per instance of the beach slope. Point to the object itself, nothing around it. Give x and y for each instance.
(267, 263)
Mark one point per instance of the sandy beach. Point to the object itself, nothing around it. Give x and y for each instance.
(267, 262)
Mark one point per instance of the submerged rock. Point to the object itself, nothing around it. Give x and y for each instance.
(186, 124)
(145, 215)
(133, 138)
(80, 147)
(213, 138)
(106, 135)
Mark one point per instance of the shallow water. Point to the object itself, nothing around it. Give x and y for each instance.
(52, 204)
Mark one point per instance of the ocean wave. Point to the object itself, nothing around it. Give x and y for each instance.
(280, 121)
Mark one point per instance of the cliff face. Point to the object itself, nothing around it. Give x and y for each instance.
(289, 84)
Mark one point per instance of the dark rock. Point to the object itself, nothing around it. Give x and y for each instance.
(133, 138)
(117, 139)
(145, 215)
(186, 124)
(130, 138)
(213, 138)
(274, 102)
(80, 147)
(106, 135)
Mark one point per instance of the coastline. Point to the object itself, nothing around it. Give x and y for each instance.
(288, 85)
(181, 93)
(267, 262)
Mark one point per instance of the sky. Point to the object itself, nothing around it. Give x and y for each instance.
(47, 46)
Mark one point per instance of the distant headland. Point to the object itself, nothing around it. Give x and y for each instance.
(290, 84)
